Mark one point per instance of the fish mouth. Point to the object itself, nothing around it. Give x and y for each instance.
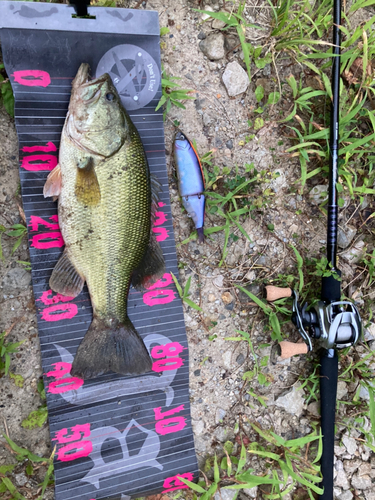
(83, 78)
(88, 89)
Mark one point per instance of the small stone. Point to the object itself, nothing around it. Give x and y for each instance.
(350, 444)
(250, 275)
(231, 42)
(227, 298)
(293, 401)
(240, 359)
(369, 332)
(213, 46)
(267, 70)
(339, 465)
(351, 466)
(235, 79)
(202, 35)
(364, 393)
(219, 415)
(355, 253)
(345, 236)
(342, 390)
(244, 298)
(341, 480)
(201, 443)
(366, 454)
(221, 434)
(364, 468)
(318, 194)
(211, 297)
(339, 450)
(207, 16)
(218, 281)
(370, 495)
(229, 307)
(361, 482)
(21, 479)
(218, 25)
(225, 494)
(227, 359)
(198, 426)
(314, 409)
(197, 373)
(229, 144)
(207, 120)
(346, 495)
(252, 492)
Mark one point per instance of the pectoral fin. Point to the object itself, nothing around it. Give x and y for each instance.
(87, 188)
(65, 278)
(52, 187)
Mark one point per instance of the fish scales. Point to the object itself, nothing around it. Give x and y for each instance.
(106, 242)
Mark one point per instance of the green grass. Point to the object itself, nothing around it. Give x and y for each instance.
(18, 231)
(231, 198)
(6, 92)
(172, 94)
(28, 461)
(6, 349)
(285, 462)
(184, 293)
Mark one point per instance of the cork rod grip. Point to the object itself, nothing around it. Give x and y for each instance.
(289, 349)
(274, 293)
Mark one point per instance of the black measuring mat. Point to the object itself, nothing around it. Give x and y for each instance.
(115, 436)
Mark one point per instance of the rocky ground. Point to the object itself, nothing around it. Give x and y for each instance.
(223, 403)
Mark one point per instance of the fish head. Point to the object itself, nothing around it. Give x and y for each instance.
(181, 141)
(96, 121)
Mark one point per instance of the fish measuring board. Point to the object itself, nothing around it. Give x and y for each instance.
(115, 436)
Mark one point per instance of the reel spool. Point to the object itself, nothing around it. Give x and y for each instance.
(336, 325)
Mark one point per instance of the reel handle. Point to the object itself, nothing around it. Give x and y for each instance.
(289, 349)
(275, 293)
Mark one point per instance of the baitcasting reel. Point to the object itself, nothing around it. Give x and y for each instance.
(335, 325)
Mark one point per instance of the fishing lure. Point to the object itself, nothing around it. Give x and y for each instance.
(190, 181)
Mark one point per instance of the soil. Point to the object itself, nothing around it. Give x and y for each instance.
(222, 408)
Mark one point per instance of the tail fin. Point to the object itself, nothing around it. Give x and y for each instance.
(117, 348)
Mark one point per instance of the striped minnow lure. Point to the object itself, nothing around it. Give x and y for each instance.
(190, 181)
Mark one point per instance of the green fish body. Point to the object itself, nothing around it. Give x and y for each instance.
(105, 198)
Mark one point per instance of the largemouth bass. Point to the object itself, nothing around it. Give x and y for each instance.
(105, 204)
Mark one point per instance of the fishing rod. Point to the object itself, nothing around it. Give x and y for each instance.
(334, 324)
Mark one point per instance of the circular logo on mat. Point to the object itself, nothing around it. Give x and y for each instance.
(134, 72)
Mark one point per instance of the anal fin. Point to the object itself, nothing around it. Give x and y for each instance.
(155, 190)
(65, 278)
(151, 267)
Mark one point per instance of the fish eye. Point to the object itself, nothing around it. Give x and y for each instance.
(110, 96)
